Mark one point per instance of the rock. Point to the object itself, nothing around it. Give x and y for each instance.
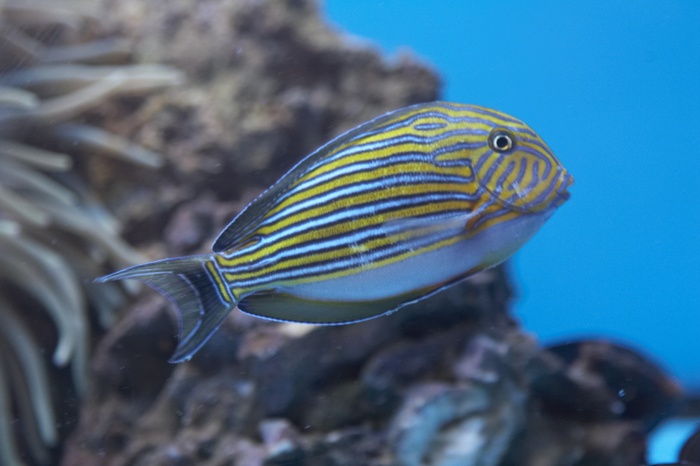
(690, 453)
(592, 402)
(600, 380)
(440, 425)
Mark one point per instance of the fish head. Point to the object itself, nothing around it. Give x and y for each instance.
(518, 168)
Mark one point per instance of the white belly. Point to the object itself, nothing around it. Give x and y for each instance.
(429, 269)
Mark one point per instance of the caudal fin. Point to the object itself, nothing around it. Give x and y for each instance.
(193, 285)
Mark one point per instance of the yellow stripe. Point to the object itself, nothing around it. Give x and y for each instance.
(364, 198)
(509, 215)
(329, 231)
(368, 266)
(354, 178)
(219, 281)
(388, 151)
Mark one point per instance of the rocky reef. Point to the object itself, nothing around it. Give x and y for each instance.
(452, 380)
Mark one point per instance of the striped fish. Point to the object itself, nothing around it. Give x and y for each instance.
(383, 215)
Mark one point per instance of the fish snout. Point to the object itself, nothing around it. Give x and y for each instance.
(565, 181)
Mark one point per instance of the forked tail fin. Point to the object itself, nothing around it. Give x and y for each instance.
(195, 287)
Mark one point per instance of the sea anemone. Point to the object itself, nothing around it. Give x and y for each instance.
(54, 235)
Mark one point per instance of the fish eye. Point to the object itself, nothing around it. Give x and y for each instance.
(501, 140)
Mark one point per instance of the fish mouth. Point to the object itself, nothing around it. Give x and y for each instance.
(563, 194)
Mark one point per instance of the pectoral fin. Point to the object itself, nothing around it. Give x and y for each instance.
(416, 232)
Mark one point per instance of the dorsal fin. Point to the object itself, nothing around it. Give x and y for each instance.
(248, 219)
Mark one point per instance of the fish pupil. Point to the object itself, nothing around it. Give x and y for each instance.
(502, 142)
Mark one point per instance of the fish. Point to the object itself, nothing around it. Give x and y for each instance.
(384, 215)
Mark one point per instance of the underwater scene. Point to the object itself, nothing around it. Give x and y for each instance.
(349, 233)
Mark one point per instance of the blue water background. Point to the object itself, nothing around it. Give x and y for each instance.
(614, 89)
(669, 438)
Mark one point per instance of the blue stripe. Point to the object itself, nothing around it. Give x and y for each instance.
(362, 187)
(358, 211)
(335, 265)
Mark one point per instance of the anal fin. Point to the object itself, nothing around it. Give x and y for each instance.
(286, 307)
